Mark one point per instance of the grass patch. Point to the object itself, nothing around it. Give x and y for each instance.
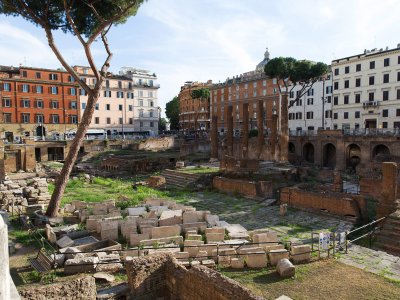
(200, 170)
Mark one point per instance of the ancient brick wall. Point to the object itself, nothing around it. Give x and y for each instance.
(81, 289)
(244, 187)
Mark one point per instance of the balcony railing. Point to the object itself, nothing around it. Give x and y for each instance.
(370, 104)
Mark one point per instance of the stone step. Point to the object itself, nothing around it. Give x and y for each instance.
(183, 174)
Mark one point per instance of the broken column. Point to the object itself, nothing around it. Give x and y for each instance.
(229, 133)
(274, 130)
(284, 132)
(337, 182)
(260, 126)
(245, 130)
(387, 203)
(214, 137)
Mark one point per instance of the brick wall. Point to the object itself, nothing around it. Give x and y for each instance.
(243, 187)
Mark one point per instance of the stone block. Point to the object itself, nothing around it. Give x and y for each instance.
(136, 211)
(147, 223)
(136, 238)
(158, 209)
(237, 231)
(79, 204)
(109, 268)
(91, 223)
(171, 217)
(237, 263)
(256, 260)
(165, 231)
(201, 255)
(269, 247)
(50, 235)
(175, 240)
(190, 217)
(209, 248)
(70, 252)
(200, 226)
(215, 230)
(300, 253)
(285, 268)
(197, 237)
(208, 263)
(215, 237)
(128, 227)
(109, 234)
(69, 208)
(80, 265)
(182, 255)
(246, 250)
(109, 224)
(64, 242)
(195, 263)
(276, 255)
(190, 232)
(146, 229)
(212, 219)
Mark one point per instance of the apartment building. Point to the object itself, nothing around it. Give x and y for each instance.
(194, 114)
(314, 109)
(366, 90)
(37, 102)
(127, 104)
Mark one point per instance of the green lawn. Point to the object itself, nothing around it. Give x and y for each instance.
(200, 170)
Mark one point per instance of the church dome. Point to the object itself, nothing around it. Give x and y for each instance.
(261, 65)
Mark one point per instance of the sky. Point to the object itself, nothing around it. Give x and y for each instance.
(198, 40)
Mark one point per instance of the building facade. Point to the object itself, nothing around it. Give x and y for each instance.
(127, 106)
(248, 88)
(37, 102)
(194, 114)
(366, 91)
(314, 109)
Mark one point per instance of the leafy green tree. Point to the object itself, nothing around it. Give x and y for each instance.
(289, 71)
(172, 112)
(162, 122)
(89, 21)
(204, 95)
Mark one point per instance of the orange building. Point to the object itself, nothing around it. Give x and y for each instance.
(37, 102)
(194, 114)
(248, 88)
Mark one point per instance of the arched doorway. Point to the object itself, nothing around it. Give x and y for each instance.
(353, 156)
(329, 156)
(381, 153)
(292, 148)
(308, 152)
(40, 130)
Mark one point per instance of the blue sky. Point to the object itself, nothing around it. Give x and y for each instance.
(197, 40)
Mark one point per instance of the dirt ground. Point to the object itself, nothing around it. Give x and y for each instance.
(326, 279)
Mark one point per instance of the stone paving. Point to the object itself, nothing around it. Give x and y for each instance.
(295, 226)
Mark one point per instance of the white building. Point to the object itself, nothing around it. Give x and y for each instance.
(146, 111)
(366, 90)
(314, 109)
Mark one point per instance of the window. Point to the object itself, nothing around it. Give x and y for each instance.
(6, 87)
(255, 93)
(246, 86)
(83, 105)
(24, 74)
(141, 93)
(371, 80)
(25, 103)
(25, 118)
(131, 121)
(120, 94)
(328, 114)
(108, 120)
(265, 82)
(38, 75)
(255, 84)
(82, 92)
(97, 120)
(398, 60)
(39, 118)
(130, 107)
(53, 76)
(151, 114)
(310, 92)
(329, 89)
(357, 114)
(371, 96)
(264, 92)
(119, 84)
(335, 116)
(54, 90)
(129, 95)
(7, 117)
(151, 104)
(335, 100)
(74, 105)
(299, 102)
(385, 95)
(310, 115)
(347, 70)
(358, 67)
(386, 62)
(291, 95)
(329, 99)
(385, 113)
(299, 116)
(358, 98)
(310, 101)
(53, 104)
(72, 91)
(398, 76)
(107, 94)
(74, 119)
(107, 83)
(398, 95)
(39, 104)
(141, 102)
(141, 113)
(385, 78)
(141, 124)
(346, 99)
(358, 82)
(39, 89)
(25, 88)
(120, 107)
(6, 102)
(372, 64)
(71, 79)
(121, 120)
(384, 124)
(398, 112)
(151, 124)
(345, 115)
(108, 106)
(96, 107)
(336, 85)
(336, 71)
(346, 84)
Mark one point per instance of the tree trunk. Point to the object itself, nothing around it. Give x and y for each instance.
(62, 179)
(284, 134)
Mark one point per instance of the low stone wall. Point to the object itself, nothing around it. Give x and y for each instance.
(156, 144)
(191, 147)
(82, 288)
(244, 187)
(161, 276)
(335, 203)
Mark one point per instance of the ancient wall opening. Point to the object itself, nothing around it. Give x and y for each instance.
(329, 156)
(308, 152)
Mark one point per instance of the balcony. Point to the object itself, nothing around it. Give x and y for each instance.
(370, 104)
